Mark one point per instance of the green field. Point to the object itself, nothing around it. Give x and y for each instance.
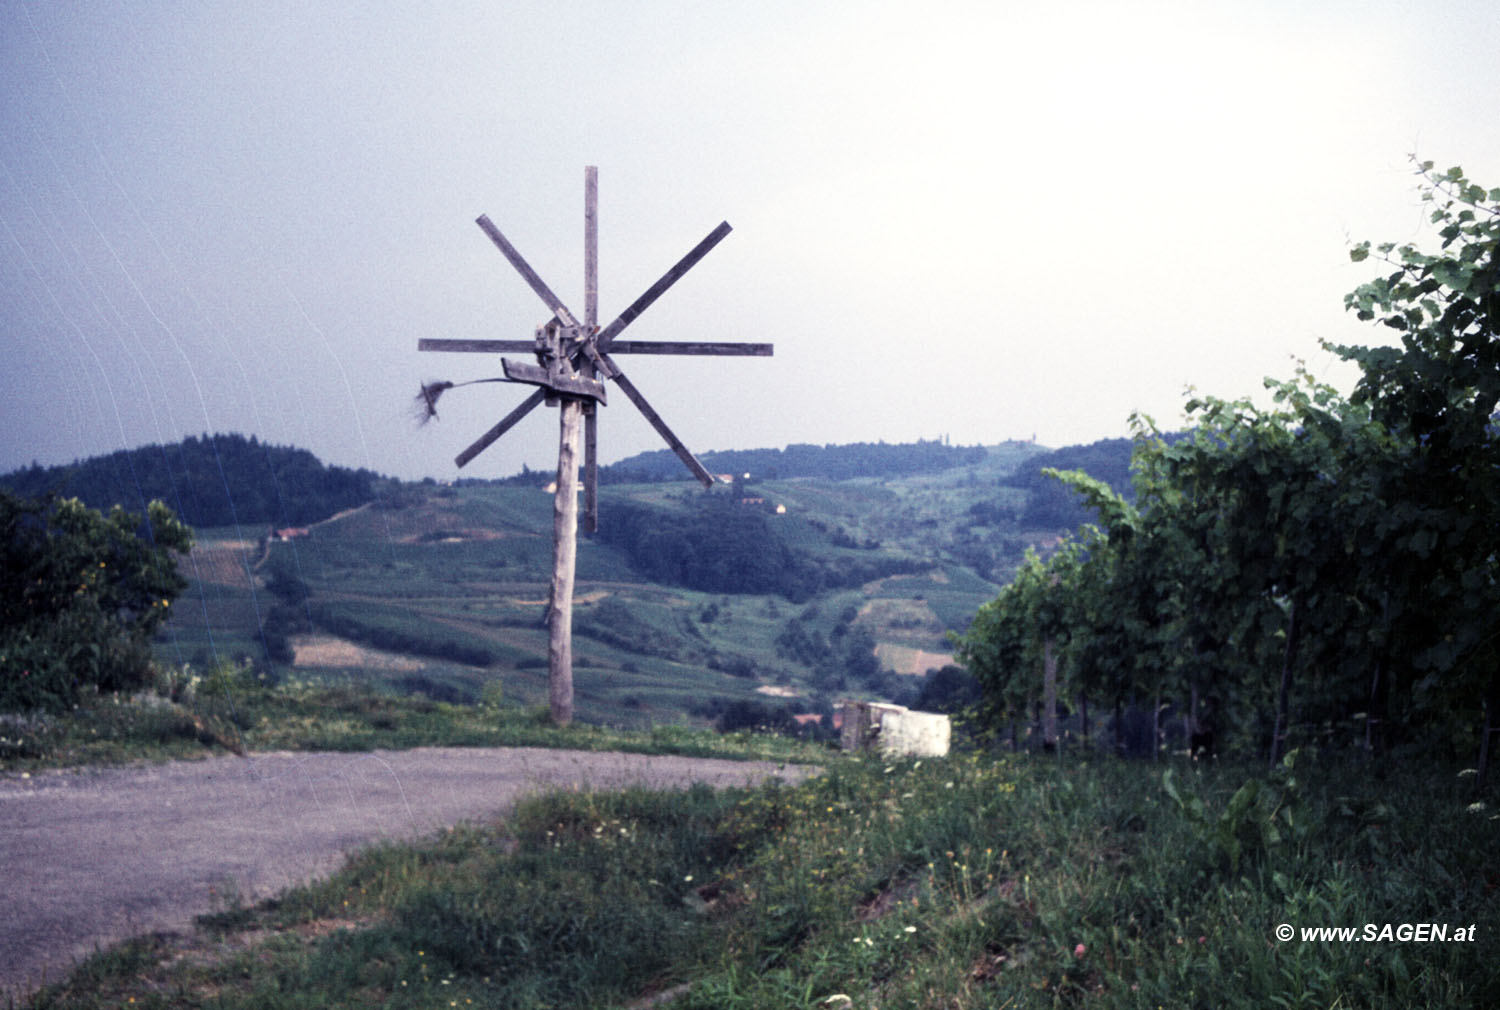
(443, 591)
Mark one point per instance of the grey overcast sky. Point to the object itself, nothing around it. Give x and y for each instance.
(975, 220)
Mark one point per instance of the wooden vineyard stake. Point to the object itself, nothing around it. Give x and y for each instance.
(574, 361)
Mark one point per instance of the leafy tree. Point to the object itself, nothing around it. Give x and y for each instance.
(744, 714)
(1438, 392)
(1127, 598)
(951, 689)
(1312, 560)
(83, 594)
(1016, 642)
(1281, 516)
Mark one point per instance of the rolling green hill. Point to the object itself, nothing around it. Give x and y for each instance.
(787, 593)
(215, 480)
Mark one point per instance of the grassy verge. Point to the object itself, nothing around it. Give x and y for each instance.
(232, 712)
(966, 882)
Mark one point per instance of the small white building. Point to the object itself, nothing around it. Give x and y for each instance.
(894, 730)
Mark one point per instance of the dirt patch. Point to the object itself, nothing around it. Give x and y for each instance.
(346, 513)
(912, 662)
(900, 614)
(223, 564)
(454, 536)
(245, 546)
(326, 650)
(936, 576)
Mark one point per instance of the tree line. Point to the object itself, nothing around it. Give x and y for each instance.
(213, 480)
(830, 462)
(1322, 570)
(1051, 505)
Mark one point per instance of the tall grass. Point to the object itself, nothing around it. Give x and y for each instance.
(232, 710)
(973, 881)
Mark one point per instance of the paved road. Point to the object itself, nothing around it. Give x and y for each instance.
(93, 856)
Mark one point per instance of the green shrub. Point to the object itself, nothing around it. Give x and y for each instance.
(83, 594)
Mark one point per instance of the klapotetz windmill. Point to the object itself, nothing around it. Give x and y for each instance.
(574, 361)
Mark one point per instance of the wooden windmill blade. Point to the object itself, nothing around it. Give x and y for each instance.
(697, 469)
(524, 269)
(486, 346)
(505, 424)
(605, 341)
(586, 364)
(609, 333)
(688, 347)
(590, 468)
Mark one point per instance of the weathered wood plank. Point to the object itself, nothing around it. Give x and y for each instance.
(586, 365)
(535, 375)
(554, 303)
(492, 346)
(591, 246)
(691, 347)
(689, 460)
(506, 423)
(609, 333)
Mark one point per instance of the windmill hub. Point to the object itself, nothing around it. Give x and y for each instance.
(574, 360)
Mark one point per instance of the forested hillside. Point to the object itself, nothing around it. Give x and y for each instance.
(1051, 504)
(831, 462)
(215, 480)
(718, 545)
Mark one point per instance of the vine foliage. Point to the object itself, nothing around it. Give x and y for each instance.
(1322, 570)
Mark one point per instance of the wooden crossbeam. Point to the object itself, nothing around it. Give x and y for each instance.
(713, 348)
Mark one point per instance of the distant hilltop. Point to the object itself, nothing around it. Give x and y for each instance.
(830, 462)
(213, 480)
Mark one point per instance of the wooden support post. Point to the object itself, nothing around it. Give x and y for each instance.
(564, 557)
(565, 505)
